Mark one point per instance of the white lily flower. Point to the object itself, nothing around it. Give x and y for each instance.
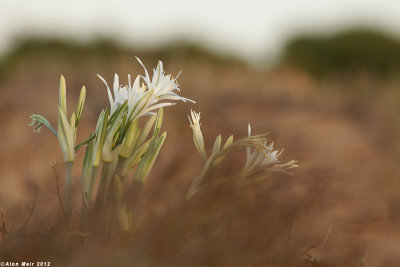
(271, 155)
(163, 85)
(146, 98)
(265, 157)
(120, 93)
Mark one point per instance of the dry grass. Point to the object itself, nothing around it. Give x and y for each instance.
(343, 132)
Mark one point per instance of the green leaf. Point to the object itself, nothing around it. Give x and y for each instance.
(81, 103)
(146, 129)
(65, 137)
(147, 162)
(87, 165)
(112, 136)
(101, 128)
(159, 120)
(62, 99)
(117, 113)
(228, 142)
(217, 145)
(136, 156)
(130, 138)
(92, 136)
(72, 122)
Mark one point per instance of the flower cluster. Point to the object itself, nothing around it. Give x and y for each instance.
(119, 146)
(145, 98)
(261, 156)
(121, 152)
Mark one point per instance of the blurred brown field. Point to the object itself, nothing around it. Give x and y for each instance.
(343, 130)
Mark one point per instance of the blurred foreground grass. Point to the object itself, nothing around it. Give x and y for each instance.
(345, 140)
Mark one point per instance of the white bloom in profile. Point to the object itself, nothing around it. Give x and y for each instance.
(145, 98)
(164, 86)
(197, 134)
(120, 93)
(265, 157)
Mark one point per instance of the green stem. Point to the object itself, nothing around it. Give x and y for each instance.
(119, 170)
(195, 185)
(104, 209)
(105, 177)
(52, 129)
(76, 148)
(93, 176)
(69, 166)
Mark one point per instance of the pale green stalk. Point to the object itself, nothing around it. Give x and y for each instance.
(218, 155)
(105, 177)
(119, 169)
(93, 175)
(87, 168)
(69, 166)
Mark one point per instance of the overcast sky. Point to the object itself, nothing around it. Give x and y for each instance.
(250, 28)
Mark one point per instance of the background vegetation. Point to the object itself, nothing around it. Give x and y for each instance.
(344, 52)
(343, 127)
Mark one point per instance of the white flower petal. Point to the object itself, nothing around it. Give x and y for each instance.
(147, 79)
(110, 98)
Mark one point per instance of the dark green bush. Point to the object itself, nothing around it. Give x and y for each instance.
(350, 51)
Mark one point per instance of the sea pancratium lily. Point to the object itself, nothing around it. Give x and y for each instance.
(145, 98)
(265, 157)
(121, 151)
(261, 159)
